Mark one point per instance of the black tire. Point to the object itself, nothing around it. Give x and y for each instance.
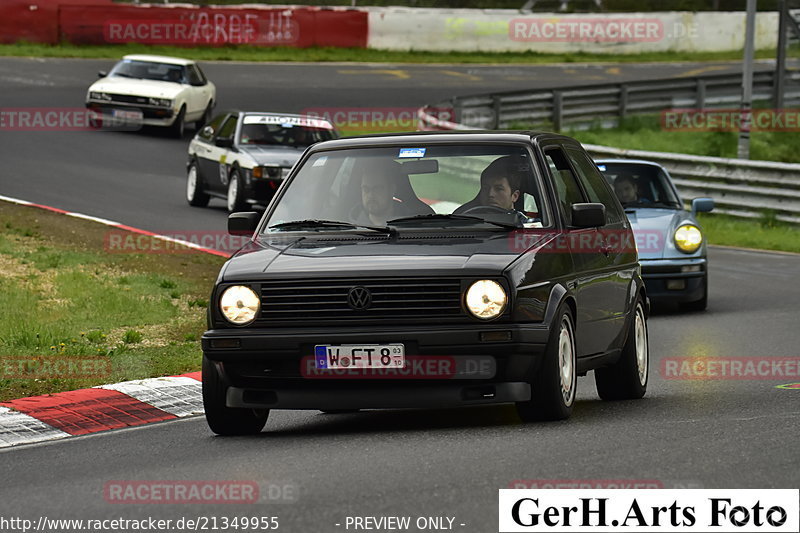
(235, 197)
(553, 395)
(195, 194)
(697, 305)
(627, 378)
(205, 118)
(178, 127)
(225, 420)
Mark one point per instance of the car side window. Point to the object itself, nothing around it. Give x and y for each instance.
(596, 187)
(567, 188)
(195, 76)
(207, 133)
(227, 129)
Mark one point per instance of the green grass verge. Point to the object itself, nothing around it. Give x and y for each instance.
(64, 298)
(645, 133)
(764, 234)
(317, 54)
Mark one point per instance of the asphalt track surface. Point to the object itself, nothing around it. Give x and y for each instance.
(709, 434)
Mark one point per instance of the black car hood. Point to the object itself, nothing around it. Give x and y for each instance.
(285, 156)
(453, 253)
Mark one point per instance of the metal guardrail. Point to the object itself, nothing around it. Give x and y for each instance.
(739, 187)
(608, 103)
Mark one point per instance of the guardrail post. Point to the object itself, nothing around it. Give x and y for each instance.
(623, 101)
(700, 99)
(558, 110)
(496, 112)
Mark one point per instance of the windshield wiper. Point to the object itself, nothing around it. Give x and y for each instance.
(440, 216)
(321, 224)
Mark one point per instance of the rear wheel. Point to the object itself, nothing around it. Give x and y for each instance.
(627, 378)
(194, 188)
(553, 386)
(235, 198)
(225, 420)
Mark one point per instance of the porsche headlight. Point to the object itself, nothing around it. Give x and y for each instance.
(239, 304)
(486, 299)
(688, 238)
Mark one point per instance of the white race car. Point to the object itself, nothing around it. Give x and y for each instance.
(154, 91)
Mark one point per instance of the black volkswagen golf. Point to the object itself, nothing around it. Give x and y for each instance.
(428, 270)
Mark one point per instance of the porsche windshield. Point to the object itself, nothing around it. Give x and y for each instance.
(420, 186)
(638, 185)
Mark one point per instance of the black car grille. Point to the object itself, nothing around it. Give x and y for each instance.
(388, 298)
(129, 99)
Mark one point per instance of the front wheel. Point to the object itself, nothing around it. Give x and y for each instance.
(179, 125)
(205, 118)
(225, 420)
(235, 198)
(627, 378)
(195, 194)
(553, 386)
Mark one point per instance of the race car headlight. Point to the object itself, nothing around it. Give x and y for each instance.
(160, 102)
(270, 172)
(486, 299)
(688, 238)
(239, 304)
(94, 95)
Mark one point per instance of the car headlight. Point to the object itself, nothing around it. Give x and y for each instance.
(160, 102)
(239, 304)
(486, 299)
(94, 95)
(271, 172)
(688, 238)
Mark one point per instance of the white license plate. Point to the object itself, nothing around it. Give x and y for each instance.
(128, 115)
(328, 356)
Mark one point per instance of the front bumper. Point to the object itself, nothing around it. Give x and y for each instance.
(675, 280)
(151, 116)
(274, 368)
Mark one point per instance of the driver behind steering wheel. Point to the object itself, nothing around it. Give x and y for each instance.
(501, 184)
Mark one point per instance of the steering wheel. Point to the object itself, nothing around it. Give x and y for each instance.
(486, 209)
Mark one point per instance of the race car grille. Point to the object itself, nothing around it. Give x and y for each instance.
(361, 299)
(128, 99)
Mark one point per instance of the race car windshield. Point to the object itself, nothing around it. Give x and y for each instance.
(639, 185)
(146, 70)
(282, 134)
(418, 186)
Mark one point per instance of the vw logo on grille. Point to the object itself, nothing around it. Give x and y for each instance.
(359, 298)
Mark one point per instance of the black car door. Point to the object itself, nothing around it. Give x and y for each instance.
(594, 276)
(219, 155)
(615, 241)
(204, 148)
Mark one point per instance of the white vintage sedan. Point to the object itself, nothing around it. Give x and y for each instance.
(154, 91)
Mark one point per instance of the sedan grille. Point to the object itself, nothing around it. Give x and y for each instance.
(361, 299)
(129, 99)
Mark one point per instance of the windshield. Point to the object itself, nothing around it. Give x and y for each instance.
(147, 70)
(638, 185)
(414, 186)
(272, 130)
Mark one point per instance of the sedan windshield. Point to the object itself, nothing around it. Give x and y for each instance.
(146, 70)
(640, 185)
(416, 186)
(272, 130)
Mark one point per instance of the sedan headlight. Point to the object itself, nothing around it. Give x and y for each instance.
(270, 172)
(94, 95)
(239, 304)
(688, 238)
(486, 299)
(160, 102)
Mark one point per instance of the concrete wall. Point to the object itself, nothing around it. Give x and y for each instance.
(398, 28)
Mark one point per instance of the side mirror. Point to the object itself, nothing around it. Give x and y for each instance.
(588, 215)
(208, 131)
(243, 223)
(102, 74)
(702, 205)
(223, 142)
